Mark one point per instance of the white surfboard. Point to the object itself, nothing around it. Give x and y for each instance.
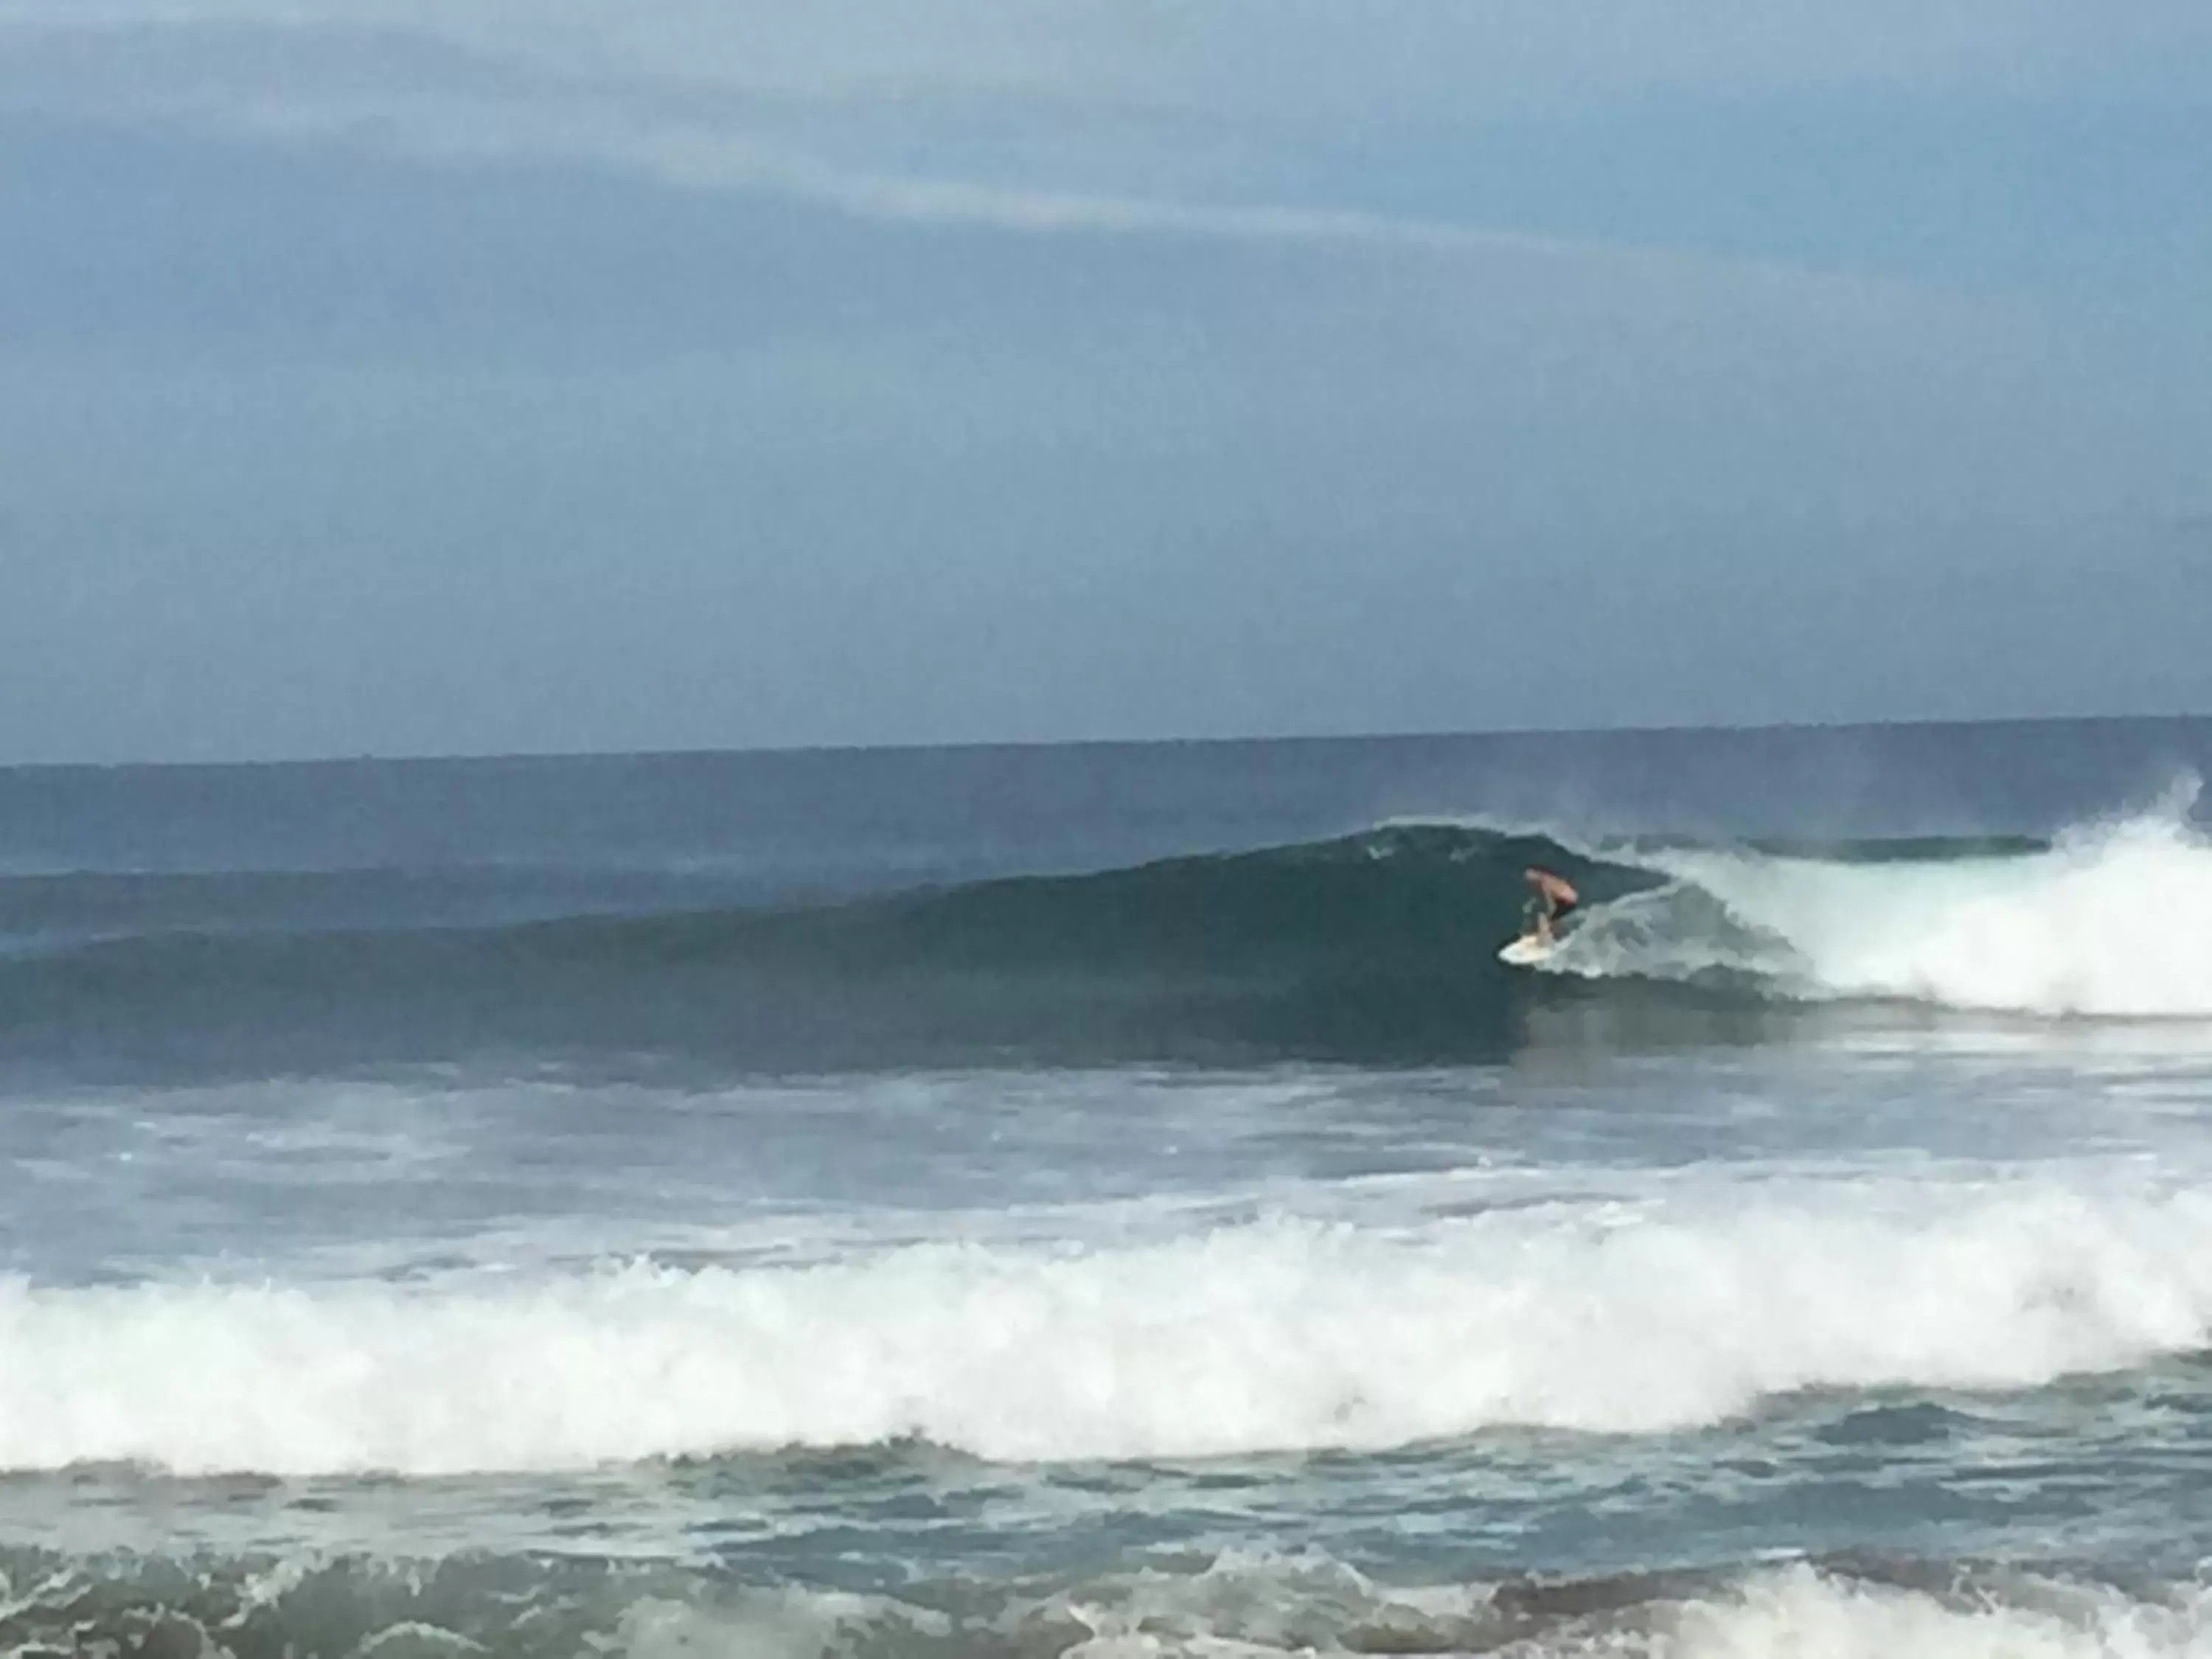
(1527, 949)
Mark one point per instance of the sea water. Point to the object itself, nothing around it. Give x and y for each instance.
(1112, 1201)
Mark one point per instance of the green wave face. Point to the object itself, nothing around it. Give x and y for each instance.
(1378, 947)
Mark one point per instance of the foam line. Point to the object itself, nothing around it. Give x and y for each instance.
(1606, 1316)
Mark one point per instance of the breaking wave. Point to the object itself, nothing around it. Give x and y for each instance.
(2114, 920)
(1378, 947)
(1679, 1309)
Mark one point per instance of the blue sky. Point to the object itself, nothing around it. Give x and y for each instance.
(399, 378)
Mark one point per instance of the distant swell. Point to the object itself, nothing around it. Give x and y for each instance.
(1376, 948)
(1601, 1316)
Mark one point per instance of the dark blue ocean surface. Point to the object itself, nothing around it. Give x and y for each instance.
(1113, 1200)
(864, 819)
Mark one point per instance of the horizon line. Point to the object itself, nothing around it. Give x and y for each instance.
(552, 757)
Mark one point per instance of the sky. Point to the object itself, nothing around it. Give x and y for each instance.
(466, 376)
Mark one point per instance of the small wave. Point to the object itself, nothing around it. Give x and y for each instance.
(1261, 1604)
(1814, 1614)
(1245, 1601)
(1281, 1334)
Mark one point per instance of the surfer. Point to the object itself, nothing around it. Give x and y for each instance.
(1549, 904)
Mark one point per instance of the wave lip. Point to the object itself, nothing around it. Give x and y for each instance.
(1283, 1334)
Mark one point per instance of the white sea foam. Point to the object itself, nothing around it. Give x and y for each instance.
(1259, 1606)
(1248, 1602)
(2114, 921)
(1612, 1316)
(1811, 1615)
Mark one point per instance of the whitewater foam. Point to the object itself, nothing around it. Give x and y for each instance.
(1614, 1316)
(1814, 1615)
(2115, 920)
(1259, 1605)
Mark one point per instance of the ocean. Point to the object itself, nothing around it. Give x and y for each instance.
(1110, 1199)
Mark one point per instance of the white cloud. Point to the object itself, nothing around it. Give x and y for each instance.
(755, 99)
(1035, 115)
